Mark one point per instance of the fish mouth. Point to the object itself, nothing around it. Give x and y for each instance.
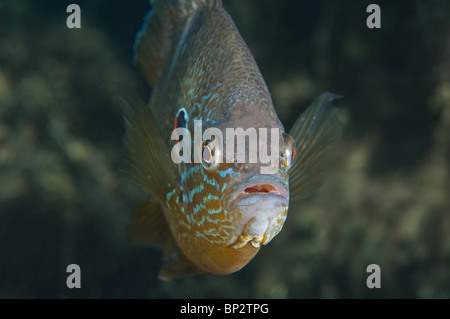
(263, 186)
(261, 203)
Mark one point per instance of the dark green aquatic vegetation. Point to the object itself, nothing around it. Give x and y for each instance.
(63, 201)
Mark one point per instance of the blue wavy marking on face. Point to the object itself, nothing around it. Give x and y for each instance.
(190, 171)
(190, 219)
(211, 181)
(209, 197)
(198, 207)
(201, 221)
(223, 187)
(169, 195)
(194, 191)
(224, 174)
(215, 211)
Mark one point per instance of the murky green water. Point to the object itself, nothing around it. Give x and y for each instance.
(385, 200)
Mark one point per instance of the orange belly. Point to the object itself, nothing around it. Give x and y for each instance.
(215, 259)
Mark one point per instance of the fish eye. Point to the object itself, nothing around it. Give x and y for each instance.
(208, 154)
(289, 151)
(209, 160)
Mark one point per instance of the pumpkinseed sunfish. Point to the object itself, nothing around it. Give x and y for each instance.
(213, 215)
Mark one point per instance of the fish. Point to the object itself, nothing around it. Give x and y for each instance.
(213, 215)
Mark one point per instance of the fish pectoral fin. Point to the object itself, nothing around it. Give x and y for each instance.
(148, 162)
(148, 226)
(178, 266)
(317, 128)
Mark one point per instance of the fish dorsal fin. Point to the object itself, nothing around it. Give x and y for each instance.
(148, 226)
(317, 128)
(160, 29)
(148, 162)
(179, 266)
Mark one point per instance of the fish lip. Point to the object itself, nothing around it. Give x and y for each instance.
(276, 188)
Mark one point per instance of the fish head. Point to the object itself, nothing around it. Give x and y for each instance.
(245, 198)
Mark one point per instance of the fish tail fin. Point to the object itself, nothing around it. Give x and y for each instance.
(158, 35)
(317, 128)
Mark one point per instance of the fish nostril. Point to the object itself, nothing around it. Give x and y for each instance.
(265, 188)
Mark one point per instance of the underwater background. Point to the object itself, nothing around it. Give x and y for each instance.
(386, 196)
